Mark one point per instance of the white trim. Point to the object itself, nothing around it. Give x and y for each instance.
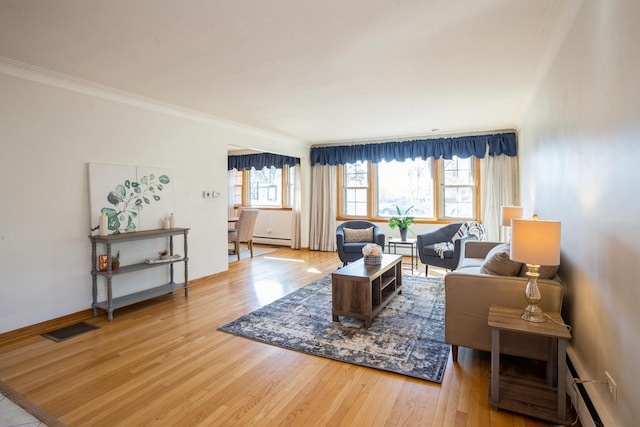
(52, 78)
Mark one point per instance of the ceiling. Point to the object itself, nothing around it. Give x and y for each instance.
(313, 71)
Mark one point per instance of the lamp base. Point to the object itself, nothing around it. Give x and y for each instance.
(533, 313)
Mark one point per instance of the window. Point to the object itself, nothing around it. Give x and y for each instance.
(405, 184)
(267, 187)
(458, 188)
(435, 189)
(356, 188)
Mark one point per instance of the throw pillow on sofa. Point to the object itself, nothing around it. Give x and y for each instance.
(498, 262)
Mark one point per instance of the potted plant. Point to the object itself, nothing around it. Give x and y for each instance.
(402, 221)
(115, 261)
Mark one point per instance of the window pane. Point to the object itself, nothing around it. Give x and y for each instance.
(355, 202)
(237, 187)
(406, 184)
(356, 183)
(355, 175)
(290, 180)
(458, 171)
(458, 202)
(266, 187)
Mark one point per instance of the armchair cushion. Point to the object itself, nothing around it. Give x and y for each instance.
(498, 262)
(353, 235)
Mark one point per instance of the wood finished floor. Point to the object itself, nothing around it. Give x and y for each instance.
(163, 363)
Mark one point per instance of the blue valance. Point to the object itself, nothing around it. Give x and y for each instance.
(260, 161)
(446, 148)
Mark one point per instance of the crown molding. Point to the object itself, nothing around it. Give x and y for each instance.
(51, 78)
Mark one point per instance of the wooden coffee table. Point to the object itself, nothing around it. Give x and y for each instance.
(361, 290)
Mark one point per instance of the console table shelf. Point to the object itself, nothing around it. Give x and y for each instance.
(136, 297)
(111, 303)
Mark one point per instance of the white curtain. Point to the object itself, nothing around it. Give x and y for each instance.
(296, 205)
(231, 192)
(322, 232)
(499, 187)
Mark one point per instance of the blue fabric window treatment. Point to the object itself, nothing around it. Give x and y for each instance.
(463, 147)
(260, 160)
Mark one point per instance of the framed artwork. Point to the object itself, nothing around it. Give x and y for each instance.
(134, 198)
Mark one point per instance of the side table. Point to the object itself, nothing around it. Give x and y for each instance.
(530, 397)
(395, 242)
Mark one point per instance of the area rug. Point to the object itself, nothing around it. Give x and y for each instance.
(406, 337)
(244, 253)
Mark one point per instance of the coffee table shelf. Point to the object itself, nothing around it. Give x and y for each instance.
(361, 290)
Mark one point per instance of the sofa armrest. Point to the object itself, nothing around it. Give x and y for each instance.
(478, 249)
(468, 298)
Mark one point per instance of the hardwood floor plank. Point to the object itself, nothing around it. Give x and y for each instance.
(163, 362)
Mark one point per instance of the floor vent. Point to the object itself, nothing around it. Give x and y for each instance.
(70, 331)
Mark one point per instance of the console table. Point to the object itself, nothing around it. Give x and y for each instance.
(111, 303)
(530, 397)
(361, 290)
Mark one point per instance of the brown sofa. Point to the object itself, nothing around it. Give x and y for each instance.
(469, 293)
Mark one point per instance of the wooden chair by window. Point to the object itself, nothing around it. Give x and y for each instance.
(243, 233)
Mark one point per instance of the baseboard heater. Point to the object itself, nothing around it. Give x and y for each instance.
(280, 241)
(584, 396)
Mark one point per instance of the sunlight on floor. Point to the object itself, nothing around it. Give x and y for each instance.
(284, 259)
(268, 291)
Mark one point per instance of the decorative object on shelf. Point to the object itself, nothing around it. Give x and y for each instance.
(103, 224)
(402, 221)
(534, 243)
(507, 213)
(164, 254)
(115, 261)
(165, 224)
(169, 258)
(102, 262)
(372, 254)
(172, 220)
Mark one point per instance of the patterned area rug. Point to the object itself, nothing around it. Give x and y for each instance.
(406, 337)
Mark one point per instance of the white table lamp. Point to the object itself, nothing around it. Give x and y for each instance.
(508, 213)
(534, 243)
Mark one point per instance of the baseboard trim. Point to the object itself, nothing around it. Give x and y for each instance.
(84, 315)
(42, 327)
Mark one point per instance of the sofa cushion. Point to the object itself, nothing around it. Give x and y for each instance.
(354, 235)
(498, 262)
(546, 271)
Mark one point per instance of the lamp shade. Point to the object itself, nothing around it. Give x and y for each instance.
(508, 213)
(535, 242)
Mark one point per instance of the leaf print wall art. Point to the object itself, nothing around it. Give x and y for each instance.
(134, 198)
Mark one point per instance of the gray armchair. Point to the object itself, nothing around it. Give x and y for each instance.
(350, 251)
(428, 247)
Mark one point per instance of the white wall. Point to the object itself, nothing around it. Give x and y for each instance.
(579, 151)
(48, 134)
